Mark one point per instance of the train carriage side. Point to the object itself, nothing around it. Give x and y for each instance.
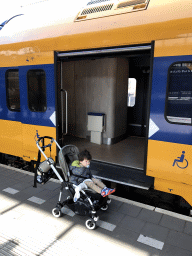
(169, 145)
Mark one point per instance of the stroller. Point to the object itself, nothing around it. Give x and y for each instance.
(89, 202)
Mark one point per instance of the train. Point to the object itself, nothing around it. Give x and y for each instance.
(111, 76)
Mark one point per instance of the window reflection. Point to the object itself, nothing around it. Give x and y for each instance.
(37, 90)
(12, 90)
(179, 100)
(132, 83)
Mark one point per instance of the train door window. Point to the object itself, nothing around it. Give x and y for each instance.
(132, 83)
(36, 83)
(12, 89)
(179, 95)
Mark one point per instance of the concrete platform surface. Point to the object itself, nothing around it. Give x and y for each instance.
(27, 226)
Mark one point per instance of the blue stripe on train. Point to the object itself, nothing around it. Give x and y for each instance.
(25, 115)
(168, 132)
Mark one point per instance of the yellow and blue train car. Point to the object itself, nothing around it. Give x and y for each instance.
(113, 76)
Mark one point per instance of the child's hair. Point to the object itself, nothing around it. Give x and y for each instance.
(85, 154)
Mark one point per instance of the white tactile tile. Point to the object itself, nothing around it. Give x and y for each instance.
(151, 242)
(106, 225)
(36, 200)
(11, 190)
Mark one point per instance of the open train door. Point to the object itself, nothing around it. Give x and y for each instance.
(95, 82)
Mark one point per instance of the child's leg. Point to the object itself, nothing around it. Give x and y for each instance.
(92, 185)
(103, 190)
(99, 183)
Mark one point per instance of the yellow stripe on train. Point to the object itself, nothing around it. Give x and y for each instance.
(170, 161)
(19, 139)
(170, 165)
(173, 47)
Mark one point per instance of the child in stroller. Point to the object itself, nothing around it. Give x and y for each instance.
(82, 177)
(88, 203)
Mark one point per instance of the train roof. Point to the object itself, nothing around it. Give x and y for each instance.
(137, 21)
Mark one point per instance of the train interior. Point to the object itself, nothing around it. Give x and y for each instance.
(103, 107)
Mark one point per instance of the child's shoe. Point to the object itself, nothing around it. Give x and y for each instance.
(107, 191)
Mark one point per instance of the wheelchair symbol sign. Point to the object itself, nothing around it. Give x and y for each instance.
(180, 161)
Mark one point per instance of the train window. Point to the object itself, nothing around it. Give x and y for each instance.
(179, 96)
(132, 83)
(36, 90)
(12, 89)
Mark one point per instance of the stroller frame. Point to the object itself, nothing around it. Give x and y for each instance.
(88, 203)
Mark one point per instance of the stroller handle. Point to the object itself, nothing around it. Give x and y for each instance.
(41, 149)
(45, 137)
(48, 145)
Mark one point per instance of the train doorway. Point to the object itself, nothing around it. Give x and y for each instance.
(98, 85)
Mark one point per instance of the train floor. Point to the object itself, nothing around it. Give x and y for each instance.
(127, 227)
(128, 152)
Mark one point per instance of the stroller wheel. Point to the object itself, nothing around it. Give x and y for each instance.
(105, 207)
(56, 212)
(90, 224)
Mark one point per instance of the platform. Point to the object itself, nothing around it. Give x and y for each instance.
(127, 228)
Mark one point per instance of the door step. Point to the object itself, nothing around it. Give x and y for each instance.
(122, 175)
(131, 183)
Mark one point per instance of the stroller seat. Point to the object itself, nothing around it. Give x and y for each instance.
(67, 155)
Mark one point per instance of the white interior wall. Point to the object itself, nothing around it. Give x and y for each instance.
(98, 85)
